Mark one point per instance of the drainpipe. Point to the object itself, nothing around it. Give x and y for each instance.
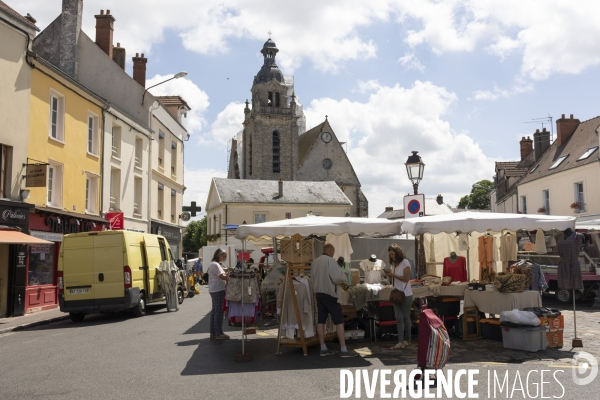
(102, 157)
(225, 224)
(154, 106)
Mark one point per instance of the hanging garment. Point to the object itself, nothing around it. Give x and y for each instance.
(342, 245)
(456, 270)
(372, 270)
(508, 250)
(346, 270)
(486, 253)
(413, 269)
(234, 289)
(540, 242)
(289, 322)
(569, 270)
(463, 242)
(539, 281)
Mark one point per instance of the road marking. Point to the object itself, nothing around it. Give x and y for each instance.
(58, 334)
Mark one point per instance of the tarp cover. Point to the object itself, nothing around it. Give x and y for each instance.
(321, 226)
(481, 222)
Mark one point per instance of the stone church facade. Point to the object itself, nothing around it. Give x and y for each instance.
(274, 143)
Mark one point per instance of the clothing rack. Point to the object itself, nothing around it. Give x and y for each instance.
(291, 271)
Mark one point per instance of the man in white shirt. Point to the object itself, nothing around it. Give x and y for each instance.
(325, 275)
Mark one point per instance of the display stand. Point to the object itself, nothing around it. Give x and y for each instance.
(299, 341)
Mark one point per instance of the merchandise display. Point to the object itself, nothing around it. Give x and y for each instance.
(486, 253)
(373, 269)
(569, 270)
(455, 267)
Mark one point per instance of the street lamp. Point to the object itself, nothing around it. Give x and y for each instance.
(414, 168)
(478, 186)
(177, 76)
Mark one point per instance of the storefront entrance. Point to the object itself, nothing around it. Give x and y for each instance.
(171, 233)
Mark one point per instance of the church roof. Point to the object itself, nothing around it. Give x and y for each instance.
(294, 192)
(306, 140)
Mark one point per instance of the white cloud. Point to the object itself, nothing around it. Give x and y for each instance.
(367, 86)
(410, 61)
(521, 86)
(227, 124)
(196, 98)
(197, 182)
(384, 130)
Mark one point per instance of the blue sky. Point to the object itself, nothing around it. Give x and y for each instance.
(455, 80)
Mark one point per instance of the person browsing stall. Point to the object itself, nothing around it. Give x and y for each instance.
(217, 280)
(325, 275)
(399, 273)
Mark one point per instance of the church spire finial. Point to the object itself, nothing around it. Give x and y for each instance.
(269, 33)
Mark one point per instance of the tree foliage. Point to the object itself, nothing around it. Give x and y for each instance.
(479, 198)
(194, 236)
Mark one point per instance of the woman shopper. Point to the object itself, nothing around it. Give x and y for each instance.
(217, 280)
(400, 273)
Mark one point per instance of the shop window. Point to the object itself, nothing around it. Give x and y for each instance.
(173, 158)
(173, 205)
(5, 170)
(41, 265)
(161, 148)
(116, 142)
(91, 194)
(139, 153)
(54, 185)
(161, 201)
(524, 204)
(92, 134)
(57, 116)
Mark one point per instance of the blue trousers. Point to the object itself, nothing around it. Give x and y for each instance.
(402, 312)
(216, 314)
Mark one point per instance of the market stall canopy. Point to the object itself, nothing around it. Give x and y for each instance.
(15, 237)
(313, 225)
(481, 222)
(593, 225)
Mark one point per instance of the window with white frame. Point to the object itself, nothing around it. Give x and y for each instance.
(54, 186)
(160, 205)
(115, 189)
(579, 199)
(161, 148)
(173, 158)
(92, 134)
(116, 142)
(57, 116)
(173, 205)
(91, 193)
(546, 200)
(139, 153)
(260, 217)
(523, 204)
(137, 196)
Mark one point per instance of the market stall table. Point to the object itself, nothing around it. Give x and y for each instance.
(493, 302)
(423, 291)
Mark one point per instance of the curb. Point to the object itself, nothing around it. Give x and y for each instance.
(33, 324)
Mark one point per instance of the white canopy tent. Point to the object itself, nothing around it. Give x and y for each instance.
(593, 225)
(314, 225)
(482, 222)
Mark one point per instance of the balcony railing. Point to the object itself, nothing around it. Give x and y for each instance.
(275, 110)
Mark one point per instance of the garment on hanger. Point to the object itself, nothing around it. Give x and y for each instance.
(463, 242)
(372, 270)
(456, 270)
(539, 281)
(569, 270)
(540, 242)
(348, 272)
(486, 253)
(234, 289)
(413, 269)
(342, 245)
(289, 324)
(508, 249)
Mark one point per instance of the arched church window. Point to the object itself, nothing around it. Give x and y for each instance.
(250, 156)
(276, 99)
(276, 149)
(270, 100)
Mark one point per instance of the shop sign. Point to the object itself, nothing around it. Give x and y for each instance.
(49, 236)
(21, 259)
(116, 220)
(68, 225)
(39, 248)
(36, 175)
(14, 216)
(170, 233)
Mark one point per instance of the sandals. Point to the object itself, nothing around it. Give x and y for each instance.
(398, 346)
(407, 343)
(222, 337)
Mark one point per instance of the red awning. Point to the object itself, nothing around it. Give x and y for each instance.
(15, 237)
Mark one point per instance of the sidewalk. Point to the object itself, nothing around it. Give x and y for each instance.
(31, 320)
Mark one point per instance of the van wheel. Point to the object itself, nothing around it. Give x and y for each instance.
(180, 295)
(76, 317)
(140, 309)
(563, 295)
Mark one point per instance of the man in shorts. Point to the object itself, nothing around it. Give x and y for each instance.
(325, 275)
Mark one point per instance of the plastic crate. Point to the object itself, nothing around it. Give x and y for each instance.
(354, 334)
(384, 328)
(385, 311)
(555, 339)
(530, 338)
(554, 323)
(490, 329)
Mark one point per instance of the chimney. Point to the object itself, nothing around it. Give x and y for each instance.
(139, 69)
(119, 55)
(439, 199)
(70, 28)
(280, 188)
(565, 128)
(389, 209)
(104, 32)
(526, 147)
(541, 142)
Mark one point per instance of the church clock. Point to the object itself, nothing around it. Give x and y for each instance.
(327, 163)
(326, 137)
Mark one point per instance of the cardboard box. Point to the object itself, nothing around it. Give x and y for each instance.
(553, 324)
(555, 339)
